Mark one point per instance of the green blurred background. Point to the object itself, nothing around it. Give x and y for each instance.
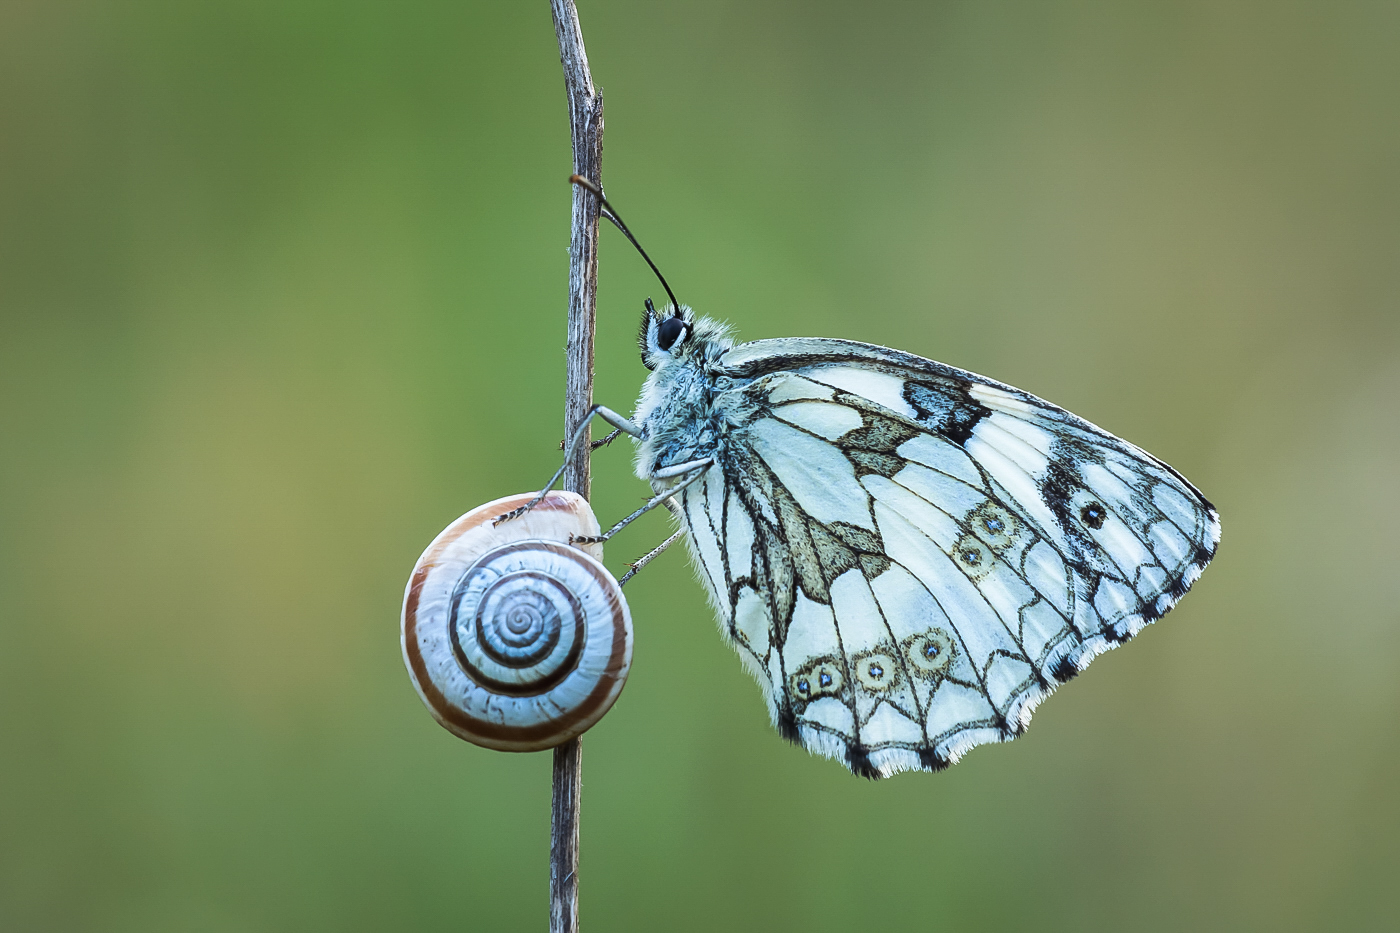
(282, 292)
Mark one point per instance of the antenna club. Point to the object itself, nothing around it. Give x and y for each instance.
(585, 183)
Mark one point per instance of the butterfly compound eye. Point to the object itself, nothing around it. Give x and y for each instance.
(669, 332)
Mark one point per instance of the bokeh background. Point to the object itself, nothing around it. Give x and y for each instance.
(282, 293)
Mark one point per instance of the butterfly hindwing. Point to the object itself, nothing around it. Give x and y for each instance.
(910, 557)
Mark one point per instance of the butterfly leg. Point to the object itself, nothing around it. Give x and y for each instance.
(600, 411)
(649, 557)
(696, 469)
(602, 443)
(594, 445)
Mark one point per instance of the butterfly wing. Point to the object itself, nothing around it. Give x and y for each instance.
(910, 557)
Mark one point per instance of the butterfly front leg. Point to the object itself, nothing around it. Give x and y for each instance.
(600, 411)
(692, 470)
(600, 443)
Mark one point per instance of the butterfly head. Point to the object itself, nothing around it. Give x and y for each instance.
(677, 334)
(674, 333)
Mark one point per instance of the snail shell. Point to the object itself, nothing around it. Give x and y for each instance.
(514, 639)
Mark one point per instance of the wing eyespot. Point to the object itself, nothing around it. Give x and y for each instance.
(876, 672)
(819, 678)
(930, 653)
(999, 528)
(973, 557)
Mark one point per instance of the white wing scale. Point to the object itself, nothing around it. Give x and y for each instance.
(910, 557)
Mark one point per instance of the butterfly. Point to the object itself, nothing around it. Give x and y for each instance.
(906, 556)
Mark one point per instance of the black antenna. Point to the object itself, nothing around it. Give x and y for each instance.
(610, 212)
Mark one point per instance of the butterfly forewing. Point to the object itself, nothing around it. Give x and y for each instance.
(909, 557)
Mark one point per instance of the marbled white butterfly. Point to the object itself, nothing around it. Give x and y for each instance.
(908, 557)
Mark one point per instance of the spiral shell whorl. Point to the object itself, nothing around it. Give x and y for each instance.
(515, 626)
(514, 639)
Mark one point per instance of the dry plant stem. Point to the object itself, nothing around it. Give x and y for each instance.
(586, 127)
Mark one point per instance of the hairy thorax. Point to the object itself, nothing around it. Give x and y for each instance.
(684, 410)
